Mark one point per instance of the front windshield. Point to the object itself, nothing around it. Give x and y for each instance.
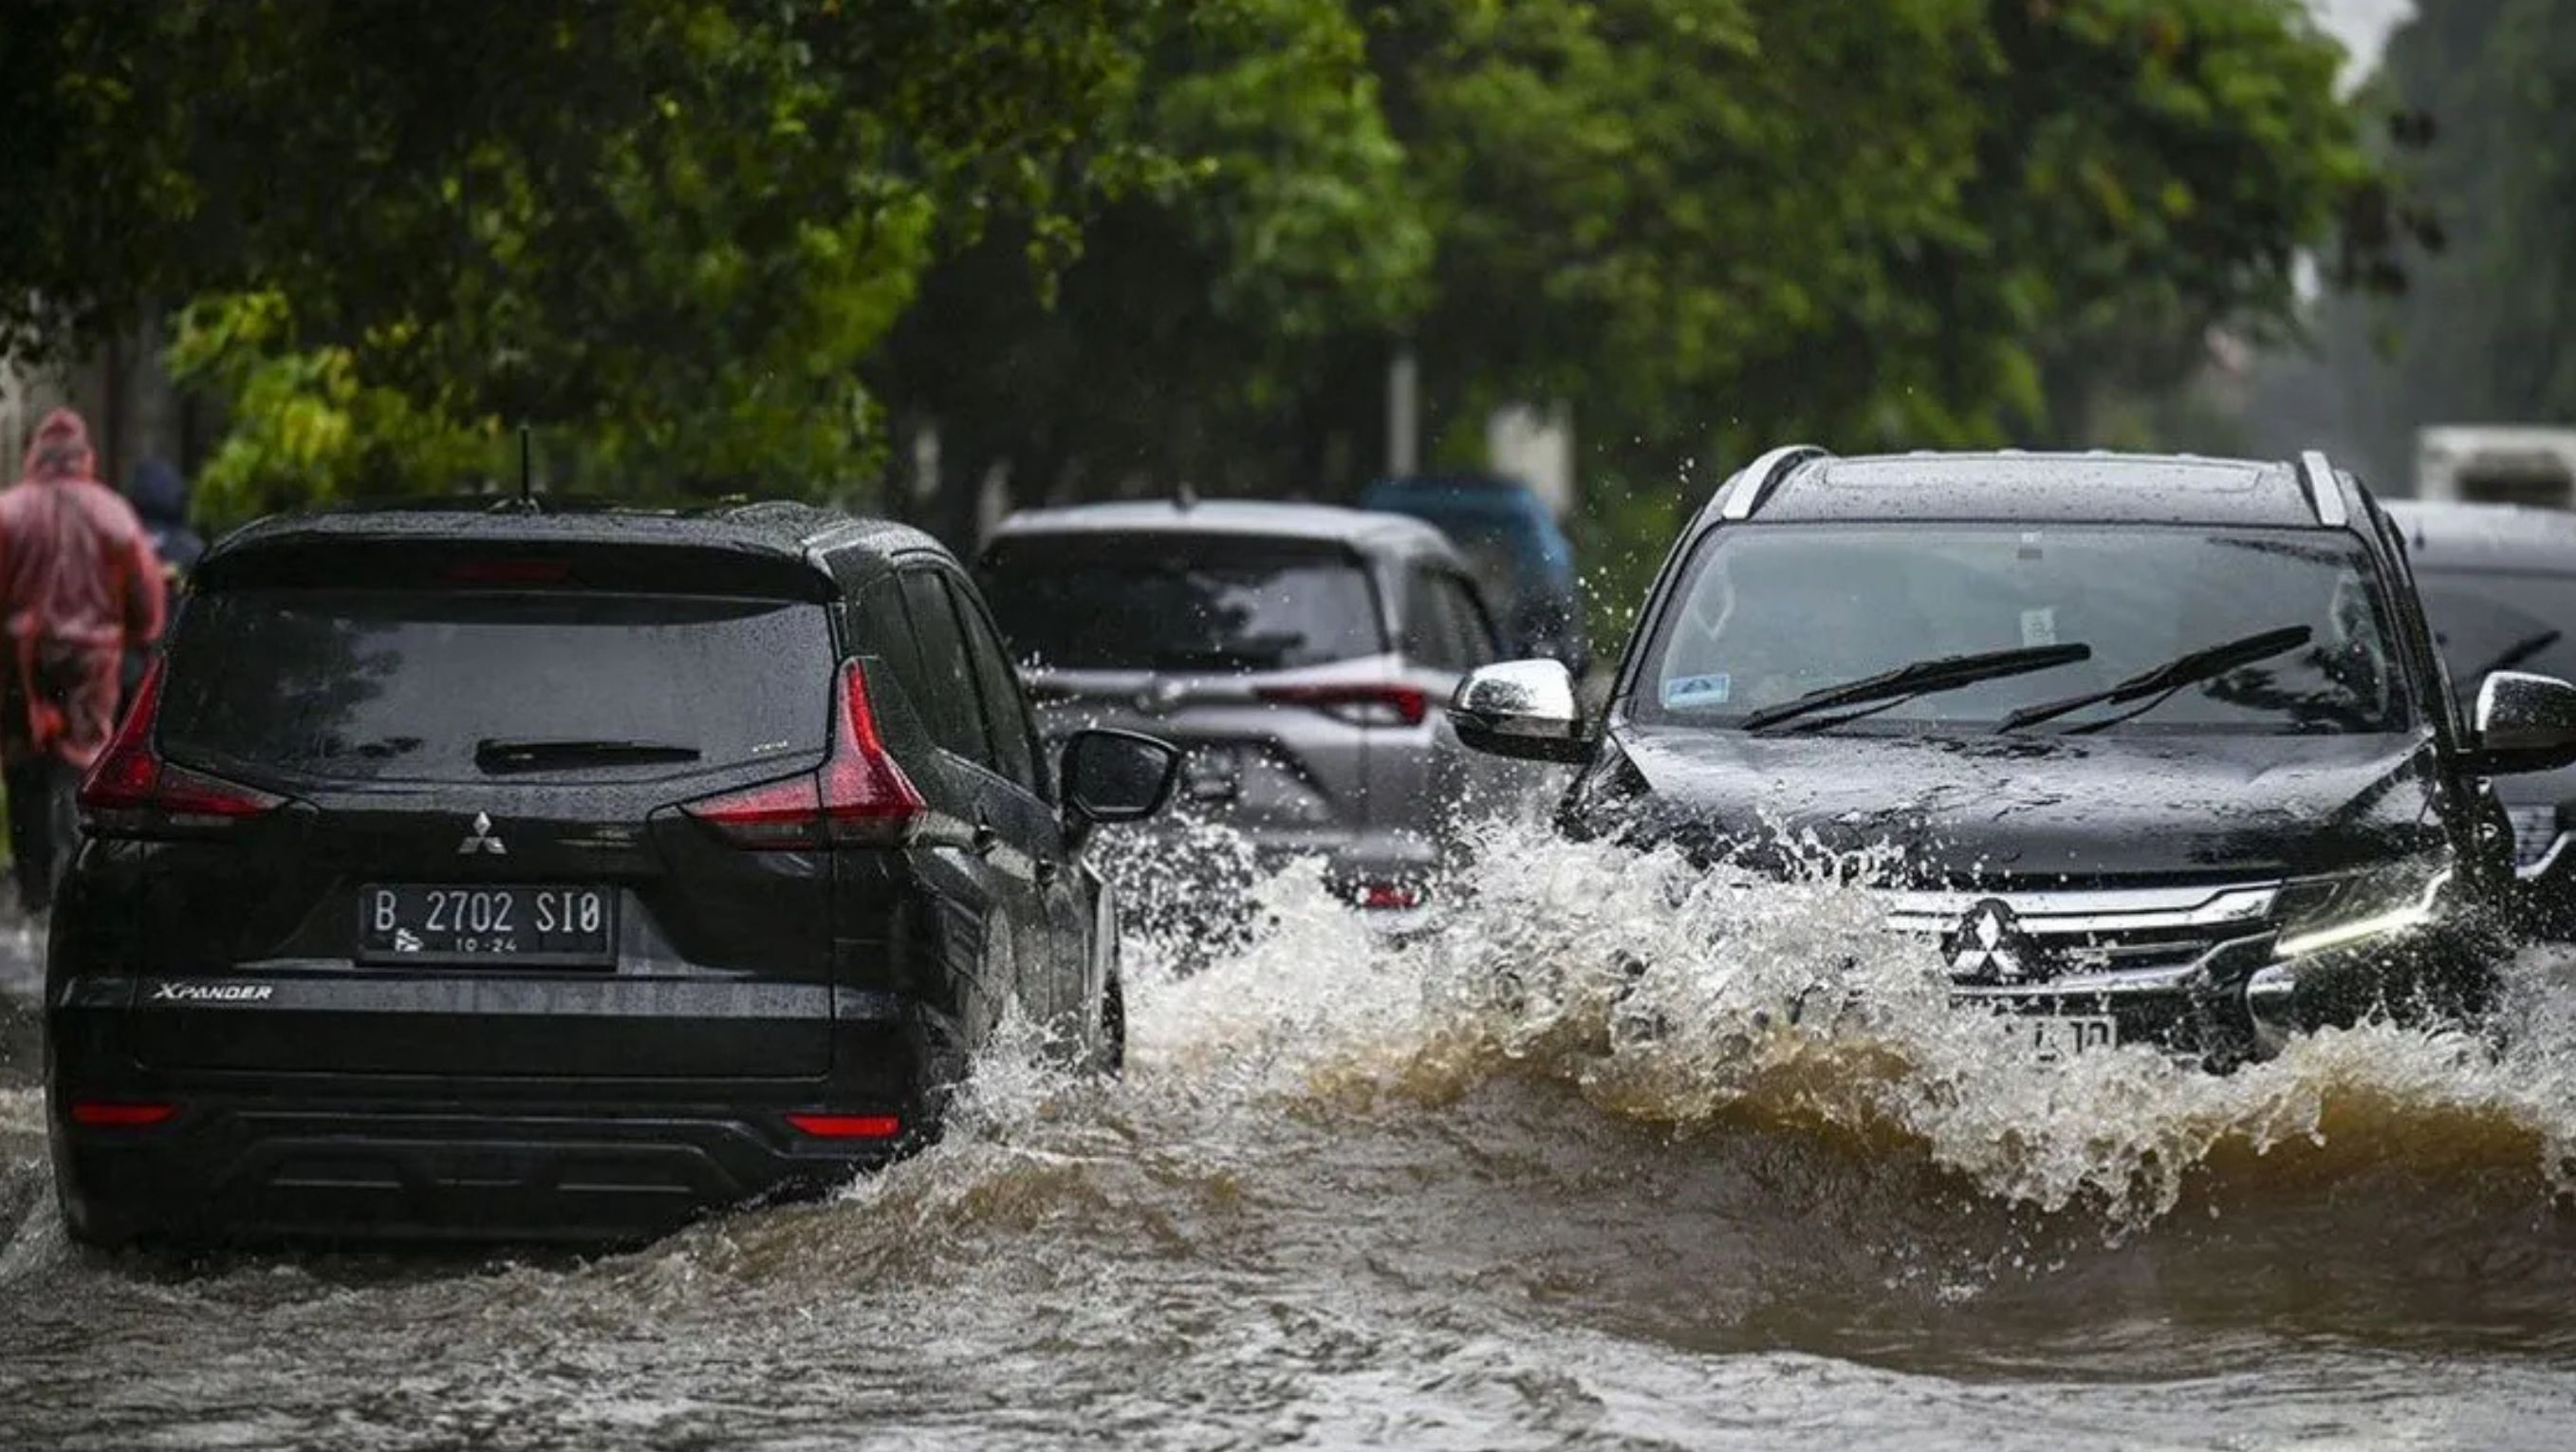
(2501, 620)
(1771, 613)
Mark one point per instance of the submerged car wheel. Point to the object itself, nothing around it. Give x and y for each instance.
(86, 1229)
(1106, 1046)
(1109, 1037)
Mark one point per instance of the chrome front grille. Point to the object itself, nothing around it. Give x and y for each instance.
(2125, 937)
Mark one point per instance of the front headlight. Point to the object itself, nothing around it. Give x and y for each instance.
(2380, 906)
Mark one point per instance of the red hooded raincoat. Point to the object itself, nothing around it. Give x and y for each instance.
(78, 585)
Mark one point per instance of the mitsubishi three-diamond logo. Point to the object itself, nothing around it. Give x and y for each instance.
(1990, 947)
(482, 839)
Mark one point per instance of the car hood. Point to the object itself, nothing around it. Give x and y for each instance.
(2056, 809)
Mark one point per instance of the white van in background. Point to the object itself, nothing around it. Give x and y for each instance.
(2497, 464)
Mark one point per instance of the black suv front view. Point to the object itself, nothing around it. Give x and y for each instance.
(566, 874)
(2140, 749)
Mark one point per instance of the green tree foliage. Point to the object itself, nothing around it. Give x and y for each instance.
(668, 230)
(1704, 223)
(1924, 223)
(1195, 337)
(1108, 241)
(2152, 169)
(1900, 222)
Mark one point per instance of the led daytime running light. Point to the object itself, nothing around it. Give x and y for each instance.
(2395, 920)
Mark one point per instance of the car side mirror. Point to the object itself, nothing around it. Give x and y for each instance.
(2524, 722)
(1117, 776)
(1523, 709)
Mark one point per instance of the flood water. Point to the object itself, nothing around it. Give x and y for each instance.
(1488, 1191)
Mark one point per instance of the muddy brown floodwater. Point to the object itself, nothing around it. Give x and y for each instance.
(1466, 1194)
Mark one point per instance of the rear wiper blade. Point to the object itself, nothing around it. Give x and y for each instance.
(1941, 673)
(1218, 660)
(495, 755)
(2172, 676)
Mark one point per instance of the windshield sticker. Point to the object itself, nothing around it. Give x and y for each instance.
(1687, 691)
(2039, 627)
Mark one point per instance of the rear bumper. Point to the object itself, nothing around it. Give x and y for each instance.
(251, 1154)
(231, 1167)
(1207, 900)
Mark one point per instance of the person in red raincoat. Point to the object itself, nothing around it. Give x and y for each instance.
(79, 585)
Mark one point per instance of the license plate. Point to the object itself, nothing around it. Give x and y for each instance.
(2535, 831)
(2064, 1038)
(559, 926)
(1212, 774)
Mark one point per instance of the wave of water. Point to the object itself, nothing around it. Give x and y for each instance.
(1568, 1170)
(1677, 998)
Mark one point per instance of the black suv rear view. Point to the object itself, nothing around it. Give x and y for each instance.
(2151, 750)
(560, 875)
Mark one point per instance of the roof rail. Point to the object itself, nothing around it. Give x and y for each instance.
(2318, 474)
(1746, 490)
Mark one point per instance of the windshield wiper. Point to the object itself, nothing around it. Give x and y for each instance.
(1941, 673)
(2162, 681)
(2516, 653)
(1252, 653)
(1183, 660)
(496, 756)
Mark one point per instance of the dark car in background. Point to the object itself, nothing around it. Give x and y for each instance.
(1513, 545)
(1297, 653)
(2158, 750)
(561, 874)
(2499, 584)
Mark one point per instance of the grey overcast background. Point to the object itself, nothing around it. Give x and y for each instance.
(2362, 25)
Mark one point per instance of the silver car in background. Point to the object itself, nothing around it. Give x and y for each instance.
(2499, 588)
(1299, 653)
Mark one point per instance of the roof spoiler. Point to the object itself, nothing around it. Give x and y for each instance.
(1744, 493)
(2324, 493)
(422, 560)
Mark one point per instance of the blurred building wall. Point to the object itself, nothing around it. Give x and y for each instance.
(122, 391)
(1536, 446)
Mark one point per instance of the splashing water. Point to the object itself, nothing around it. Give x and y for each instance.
(1620, 1153)
(1683, 999)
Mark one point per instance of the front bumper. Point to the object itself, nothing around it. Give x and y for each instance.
(2242, 1004)
(2194, 1011)
(2198, 973)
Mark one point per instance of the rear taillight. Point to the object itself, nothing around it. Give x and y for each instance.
(860, 796)
(847, 1126)
(120, 1114)
(131, 792)
(1386, 896)
(1360, 705)
(507, 572)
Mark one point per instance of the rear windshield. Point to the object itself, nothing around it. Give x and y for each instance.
(443, 686)
(1181, 602)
